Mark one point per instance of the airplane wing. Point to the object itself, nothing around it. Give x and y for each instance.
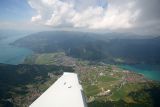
(65, 92)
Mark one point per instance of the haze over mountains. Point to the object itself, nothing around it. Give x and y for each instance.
(113, 48)
(111, 44)
(100, 59)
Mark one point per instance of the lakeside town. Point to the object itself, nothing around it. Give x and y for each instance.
(100, 81)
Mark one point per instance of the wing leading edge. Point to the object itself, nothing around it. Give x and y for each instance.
(65, 92)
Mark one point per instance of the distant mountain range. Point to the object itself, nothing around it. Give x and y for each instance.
(112, 48)
(4, 34)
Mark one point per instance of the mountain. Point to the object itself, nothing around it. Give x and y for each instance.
(96, 47)
(5, 34)
(84, 53)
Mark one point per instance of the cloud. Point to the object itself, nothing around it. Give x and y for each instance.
(97, 14)
(37, 18)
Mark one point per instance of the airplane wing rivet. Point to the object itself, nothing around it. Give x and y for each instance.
(70, 87)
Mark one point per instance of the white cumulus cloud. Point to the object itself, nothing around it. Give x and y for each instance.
(96, 14)
(92, 14)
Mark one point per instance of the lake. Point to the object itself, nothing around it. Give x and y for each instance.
(16, 55)
(149, 71)
(12, 54)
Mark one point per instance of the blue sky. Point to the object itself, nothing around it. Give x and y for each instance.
(15, 10)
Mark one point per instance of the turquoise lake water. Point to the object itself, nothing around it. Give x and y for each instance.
(16, 55)
(11, 54)
(149, 71)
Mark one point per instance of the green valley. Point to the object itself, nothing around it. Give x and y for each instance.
(105, 84)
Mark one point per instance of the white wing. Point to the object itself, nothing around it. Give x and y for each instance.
(65, 92)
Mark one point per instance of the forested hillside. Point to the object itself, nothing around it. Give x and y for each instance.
(96, 47)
